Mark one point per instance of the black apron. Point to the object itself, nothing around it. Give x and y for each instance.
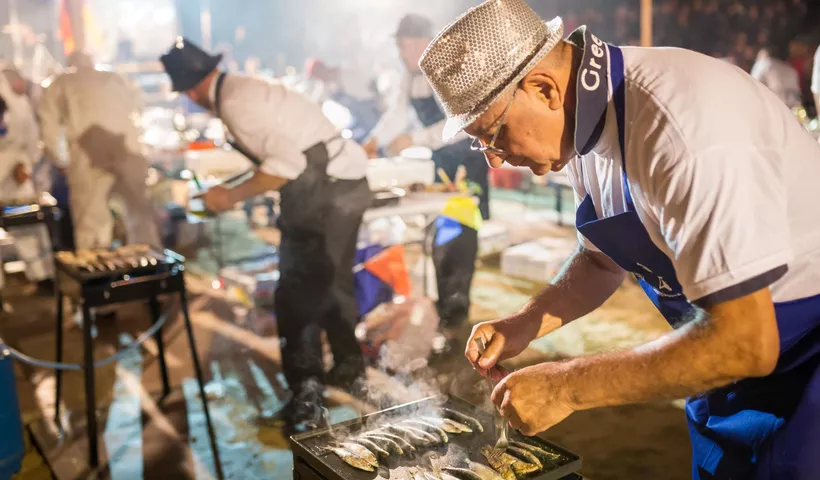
(319, 220)
(455, 260)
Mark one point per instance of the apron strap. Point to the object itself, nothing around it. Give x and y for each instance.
(617, 75)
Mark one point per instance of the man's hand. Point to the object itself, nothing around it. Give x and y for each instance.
(504, 338)
(371, 148)
(535, 398)
(217, 199)
(21, 173)
(399, 144)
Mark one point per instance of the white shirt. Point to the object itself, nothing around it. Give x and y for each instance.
(19, 145)
(781, 78)
(277, 124)
(723, 177)
(401, 117)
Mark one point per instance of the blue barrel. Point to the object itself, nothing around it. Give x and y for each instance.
(12, 447)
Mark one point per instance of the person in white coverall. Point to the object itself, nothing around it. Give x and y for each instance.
(19, 151)
(98, 112)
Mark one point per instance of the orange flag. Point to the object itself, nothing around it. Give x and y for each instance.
(388, 266)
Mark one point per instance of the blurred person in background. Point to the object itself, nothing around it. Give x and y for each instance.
(323, 196)
(772, 69)
(19, 151)
(97, 113)
(324, 83)
(454, 260)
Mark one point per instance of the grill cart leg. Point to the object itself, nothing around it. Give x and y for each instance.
(90, 394)
(201, 383)
(58, 374)
(163, 366)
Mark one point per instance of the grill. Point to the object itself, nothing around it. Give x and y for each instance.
(96, 278)
(311, 462)
(102, 277)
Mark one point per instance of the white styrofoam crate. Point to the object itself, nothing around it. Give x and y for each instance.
(539, 260)
(493, 237)
(386, 173)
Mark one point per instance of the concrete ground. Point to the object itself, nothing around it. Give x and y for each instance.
(239, 348)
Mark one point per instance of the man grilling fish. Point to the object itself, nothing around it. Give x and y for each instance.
(692, 177)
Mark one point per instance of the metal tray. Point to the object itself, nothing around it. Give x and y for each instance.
(309, 446)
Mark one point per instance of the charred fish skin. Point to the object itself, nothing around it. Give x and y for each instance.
(462, 473)
(370, 445)
(545, 456)
(462, 418)
(362, 453)
(525, 456)
(494, 459)
(486, 473)
(422, 425)
(458, 426)
(519, 467)
(352, 459)
(384, 443)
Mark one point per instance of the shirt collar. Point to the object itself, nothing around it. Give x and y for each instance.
(592, 89)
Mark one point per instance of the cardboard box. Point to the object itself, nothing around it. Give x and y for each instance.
(539, 260)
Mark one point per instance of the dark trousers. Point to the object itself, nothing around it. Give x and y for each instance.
(315, 291)
(455, 267)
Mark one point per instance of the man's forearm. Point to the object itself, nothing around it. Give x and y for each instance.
(714, 350)
(585, 282)
(256, 185)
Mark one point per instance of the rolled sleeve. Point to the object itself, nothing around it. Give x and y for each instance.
(723, 214)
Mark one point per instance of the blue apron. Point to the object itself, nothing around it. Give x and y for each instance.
(764, 428)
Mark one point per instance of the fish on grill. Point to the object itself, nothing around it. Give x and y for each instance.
(415, 436)
(499, 464)
(486, 473)
(361, 452)
(352, 459)
(448, 425)
(462, 418)
(370, 445)
(546, 457)
(404, 444)
(462, 473)
(429, 427)
(524, 455)
(505, 463)
(383, 442)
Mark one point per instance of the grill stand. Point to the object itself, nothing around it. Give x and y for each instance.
(94, 293)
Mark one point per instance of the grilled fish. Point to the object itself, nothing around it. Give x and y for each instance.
(404, 444)
(546, 457)
(423, 425)
(525, 456)
(352, 459)
(461, 418)
(462, 473)
(361, 452)
(449, 425)
(370, 445)
(520, 468)
(384, 443)
(412, 435)
(498, 463)
(486, 473)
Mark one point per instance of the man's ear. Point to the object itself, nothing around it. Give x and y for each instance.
(543, 86)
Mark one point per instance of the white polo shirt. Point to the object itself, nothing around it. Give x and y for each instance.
(723, 176)
(815, 76)
(276, 124)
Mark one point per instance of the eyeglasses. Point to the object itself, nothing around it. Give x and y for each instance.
(477, 146)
